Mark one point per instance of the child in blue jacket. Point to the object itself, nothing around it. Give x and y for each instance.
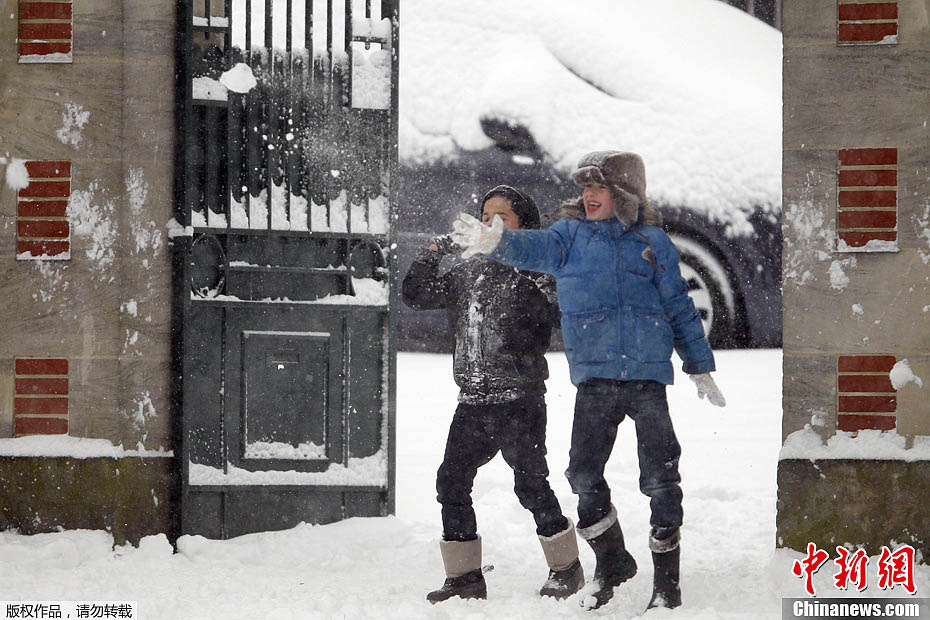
(624, 307)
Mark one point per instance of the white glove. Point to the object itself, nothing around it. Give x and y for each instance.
(705, 385)
(474, 236)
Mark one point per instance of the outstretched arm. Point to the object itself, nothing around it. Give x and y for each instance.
(536, 250)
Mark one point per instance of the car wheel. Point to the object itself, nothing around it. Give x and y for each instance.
(711, 290)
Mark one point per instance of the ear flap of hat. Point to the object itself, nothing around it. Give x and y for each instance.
(627, 171)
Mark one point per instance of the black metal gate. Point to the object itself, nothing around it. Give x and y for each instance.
(285, 274)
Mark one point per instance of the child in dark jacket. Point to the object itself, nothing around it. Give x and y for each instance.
(624, 308)
(502, 319)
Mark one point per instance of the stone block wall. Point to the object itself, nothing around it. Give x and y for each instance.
(856, 265)
(88, 91)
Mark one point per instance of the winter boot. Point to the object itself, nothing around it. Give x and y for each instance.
(614, 563)
(462, 561)
(665, 558)
(565, 573)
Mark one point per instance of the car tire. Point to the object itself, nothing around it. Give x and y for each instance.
(712, 291)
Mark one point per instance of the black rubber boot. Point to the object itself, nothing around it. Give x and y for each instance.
(665, 589)
(563, 583)
(469, 585)
(614, 565)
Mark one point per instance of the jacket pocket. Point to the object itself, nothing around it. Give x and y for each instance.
(653, 337)
(590, 336)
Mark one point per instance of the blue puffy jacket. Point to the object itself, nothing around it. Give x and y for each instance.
(621, 316)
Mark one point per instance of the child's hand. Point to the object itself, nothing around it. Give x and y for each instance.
(444, 244)
(706, 385)
(474, 236)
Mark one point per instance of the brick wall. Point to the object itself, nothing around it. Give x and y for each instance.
(42, 227)
(45, 31)
(41, 403)
(866, 398)
(867, 199)
(867, 23)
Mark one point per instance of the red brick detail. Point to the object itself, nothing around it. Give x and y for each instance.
(41, 403)
(868, 391)
(40, 426)
(42, 49)
(868, 219)
(46, 208)
(40, 366)
(866, 363)
(48, 169)
(851, 423)
(869, 198)
(43, 228)
(44, 30)
(47, 180)
(43, 248)
(868, 157)
(40, 406)
(866, 33)
(862, 201)
(43, 387)
(861, 12)
(44, 10)
(865, 383)
(46, 189)
(867, 404)
(867, 178)
(860, 239)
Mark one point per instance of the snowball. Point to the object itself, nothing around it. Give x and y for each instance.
(239, 79)
(17, 177)
(902, 374)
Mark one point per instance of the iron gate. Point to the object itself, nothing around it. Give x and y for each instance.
(285, 272)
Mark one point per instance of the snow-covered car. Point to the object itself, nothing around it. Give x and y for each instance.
(515, 92)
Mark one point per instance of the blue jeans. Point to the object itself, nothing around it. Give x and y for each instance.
(600, 406)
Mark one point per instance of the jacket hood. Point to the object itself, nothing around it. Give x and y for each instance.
(522, 204)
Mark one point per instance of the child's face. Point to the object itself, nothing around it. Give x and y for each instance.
(498, 205)
(598, 202)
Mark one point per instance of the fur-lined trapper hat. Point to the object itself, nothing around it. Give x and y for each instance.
(625, 175)
(522, 204)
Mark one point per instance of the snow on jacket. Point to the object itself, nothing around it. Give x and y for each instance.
(502, 319)
(624, 303)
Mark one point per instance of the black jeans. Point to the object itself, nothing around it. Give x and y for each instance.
(478, 432)
(600, 406)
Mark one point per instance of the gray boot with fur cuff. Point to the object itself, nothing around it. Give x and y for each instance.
(462, 561)
(565, 573)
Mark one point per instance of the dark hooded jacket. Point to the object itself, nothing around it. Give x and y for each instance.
(502, 318)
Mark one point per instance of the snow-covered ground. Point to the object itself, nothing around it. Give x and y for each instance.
(382, 568)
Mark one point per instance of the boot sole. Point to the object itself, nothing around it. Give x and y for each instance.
(610, 589)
